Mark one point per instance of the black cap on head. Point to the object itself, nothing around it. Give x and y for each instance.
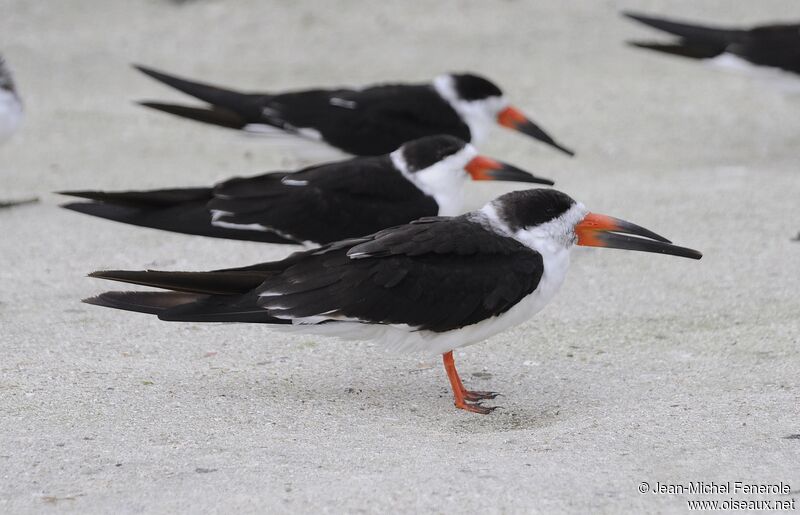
(529, 208)
(424, 152)
(473, 87)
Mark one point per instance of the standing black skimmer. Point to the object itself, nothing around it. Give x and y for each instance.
(320, 204)
(10, 117)
(367, 122)
(433, 285)
(776, 46)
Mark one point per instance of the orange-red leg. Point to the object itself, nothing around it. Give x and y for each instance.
(461, 395)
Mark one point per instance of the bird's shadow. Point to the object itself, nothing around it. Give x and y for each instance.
(405, 397)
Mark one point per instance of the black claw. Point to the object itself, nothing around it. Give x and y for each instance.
(483, 410)
(479, 396)
(476, 407)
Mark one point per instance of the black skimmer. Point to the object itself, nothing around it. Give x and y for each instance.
(433, 285)
(11, 113)
(775, 46)
(368, 121)
(320, 204)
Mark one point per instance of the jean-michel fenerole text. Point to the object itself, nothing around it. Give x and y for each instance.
(727, 487)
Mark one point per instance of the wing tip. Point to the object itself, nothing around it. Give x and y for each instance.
(145, 69)
(96, 300)
(150, 103)
(634, 15)
(75, 193)
(112, 275)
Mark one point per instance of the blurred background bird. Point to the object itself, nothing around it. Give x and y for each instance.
(10, 103)
(773, 46)
(11, 113)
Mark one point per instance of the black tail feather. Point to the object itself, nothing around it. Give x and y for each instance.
(222, 282)
(694, 51)
(191, 217)
(245, 105)
(188, 307)
(205, 92)
(152, 198)
(691, 32)
(212, 115)
(149, 302)
(222, 309)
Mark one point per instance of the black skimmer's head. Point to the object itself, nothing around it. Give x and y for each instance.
(10, 103)
(550, 221)
(481, 104)
(440, 166)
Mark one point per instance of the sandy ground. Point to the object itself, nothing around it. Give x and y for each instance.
(644, 369)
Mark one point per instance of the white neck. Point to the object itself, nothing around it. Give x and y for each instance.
(479, 115)
(444, 181)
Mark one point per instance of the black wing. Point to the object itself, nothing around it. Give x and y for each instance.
(371, 121)
(324, 203)
(436, 274)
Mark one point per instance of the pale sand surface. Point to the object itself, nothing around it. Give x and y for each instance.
(644, 368)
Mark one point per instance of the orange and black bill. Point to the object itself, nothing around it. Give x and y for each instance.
(483, 168)
(605, 231)
(513, 118)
